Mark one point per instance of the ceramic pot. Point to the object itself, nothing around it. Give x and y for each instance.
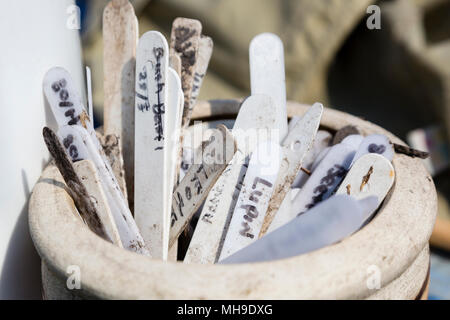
(393, 247)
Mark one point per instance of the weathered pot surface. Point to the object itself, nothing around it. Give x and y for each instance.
(394, 244)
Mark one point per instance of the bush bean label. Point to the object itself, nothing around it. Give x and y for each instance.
(150, 203)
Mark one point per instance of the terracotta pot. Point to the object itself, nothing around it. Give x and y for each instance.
(392, 247)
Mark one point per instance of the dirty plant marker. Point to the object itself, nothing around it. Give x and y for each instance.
(321, 141)
(375, 143)
(370, 175)
(110, 144)
(65, 101)
(119, 56)
(88, 211)
(79, 146)
(184, 42)
(267, 75)
(256, 191)
(323, 225)
(256, 115)
(281, 219)
(295, 147)
(150, 196)
(216, 153)
(205, 50)
(85, 169)
(325, 178)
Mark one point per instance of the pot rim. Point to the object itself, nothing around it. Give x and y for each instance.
(391, 241)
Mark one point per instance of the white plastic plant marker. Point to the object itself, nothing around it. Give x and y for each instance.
(89, 93)
(151, 152)
(325, 178)
(319, 158)
(79, 145)
(173, 133)
(282, 219)
(325, 224)
(321, 141)
(293, 122)
(173, 142)
(353, 140)
(174, 116)
(205, 49)
(217, 152)
(253, 201)
(256, 116)
(370, 175)
(64, 100)
(66, 104)
(119, 55)
(180, 150)
(267, 75)
(91, 181)
(184, 42)
(375, 143)
(295, 147)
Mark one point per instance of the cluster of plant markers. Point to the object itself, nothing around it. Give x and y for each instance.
(311, 190)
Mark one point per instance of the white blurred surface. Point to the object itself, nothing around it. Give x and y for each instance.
(34, 37)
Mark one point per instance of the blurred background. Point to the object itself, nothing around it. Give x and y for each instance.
(394, 72)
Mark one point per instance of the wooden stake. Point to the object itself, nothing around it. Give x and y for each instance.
(79, 146)
(85, 169)
(120, 36)
(79, 194)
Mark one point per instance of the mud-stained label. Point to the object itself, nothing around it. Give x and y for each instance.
(216, 153)
(184, 41)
